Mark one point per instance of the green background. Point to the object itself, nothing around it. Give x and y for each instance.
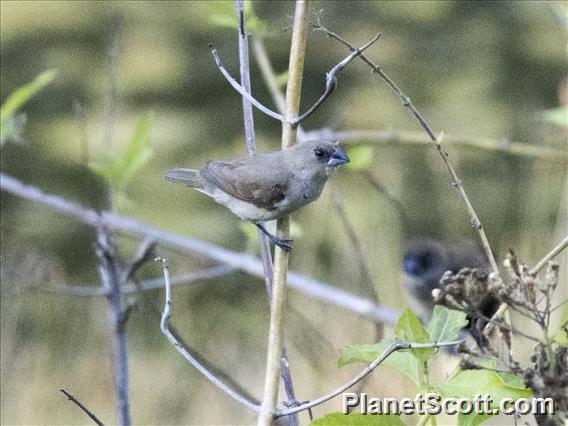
(474, 70)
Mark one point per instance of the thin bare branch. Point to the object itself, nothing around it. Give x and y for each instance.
(474, 219)
(164, 326)
(331, 79)
(82, 407)
(551, 255)
(241, 261)
(417, 138)
(240, 88)
(144, 254)
(330, 84)
(395, 346)
(110, 280)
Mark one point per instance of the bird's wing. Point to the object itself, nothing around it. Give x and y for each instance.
(262, 183)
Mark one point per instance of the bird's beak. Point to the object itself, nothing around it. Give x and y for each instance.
(338, 157)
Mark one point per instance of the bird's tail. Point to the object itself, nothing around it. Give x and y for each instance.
(187, 177)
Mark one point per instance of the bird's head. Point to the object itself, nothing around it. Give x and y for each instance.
(424, 262)
(320, 155)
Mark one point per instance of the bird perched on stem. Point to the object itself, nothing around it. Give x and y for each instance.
(269, 185)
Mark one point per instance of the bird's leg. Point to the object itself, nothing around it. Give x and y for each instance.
(283, 243)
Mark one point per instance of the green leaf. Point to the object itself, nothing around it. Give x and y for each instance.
(360, 157)
(358, 419)
(402, 362)
(512, 380)
(18, 98)
(446, 324)
(472, 419)
(410, 329)
(469, 383)
(122, 169)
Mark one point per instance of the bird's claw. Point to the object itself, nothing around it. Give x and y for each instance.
(284, 243)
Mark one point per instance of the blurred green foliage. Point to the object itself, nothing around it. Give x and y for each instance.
(357, 419)
(120, 170)
(474, 69)
(8, 118)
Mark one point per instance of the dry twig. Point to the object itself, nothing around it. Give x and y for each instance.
(82, 407)
(164, 326)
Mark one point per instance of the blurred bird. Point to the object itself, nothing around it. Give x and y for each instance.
(268, 185)
(426, 260)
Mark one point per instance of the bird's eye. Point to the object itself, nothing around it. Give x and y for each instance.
(319, 151)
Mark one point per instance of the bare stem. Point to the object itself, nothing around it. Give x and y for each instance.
(164, 326)
(551, 255)
(293, 93)
(82, 407)
(251, 147)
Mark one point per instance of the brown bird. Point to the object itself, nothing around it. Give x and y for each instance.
(268, 185)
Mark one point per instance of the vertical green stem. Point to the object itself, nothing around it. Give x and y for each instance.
(281, 257)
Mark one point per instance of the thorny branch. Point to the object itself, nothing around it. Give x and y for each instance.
(331, 79)
(474, 219)
(164, 326)
(82, 407)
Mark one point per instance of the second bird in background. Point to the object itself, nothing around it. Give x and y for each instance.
(425, 261)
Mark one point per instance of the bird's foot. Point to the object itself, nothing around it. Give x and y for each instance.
(284, 243)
